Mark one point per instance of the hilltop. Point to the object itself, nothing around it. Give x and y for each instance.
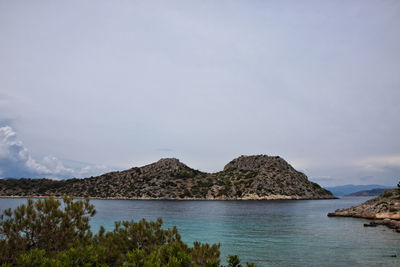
(246, 177)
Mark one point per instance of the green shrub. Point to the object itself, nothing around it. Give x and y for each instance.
(50, 233)
(234, 261)
(44, 224)
(388, 194)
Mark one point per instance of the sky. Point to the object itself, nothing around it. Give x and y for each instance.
(93, 86)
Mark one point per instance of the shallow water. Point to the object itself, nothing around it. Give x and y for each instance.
(269, 233)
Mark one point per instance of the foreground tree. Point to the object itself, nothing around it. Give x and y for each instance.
(45, 224)
(47, 232)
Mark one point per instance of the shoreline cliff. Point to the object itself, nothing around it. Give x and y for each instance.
(382, 210)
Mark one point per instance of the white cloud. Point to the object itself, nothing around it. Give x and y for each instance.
(16, 161)
(56, 166)
(92, 170)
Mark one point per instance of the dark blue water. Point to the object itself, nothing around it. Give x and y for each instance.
(269, 233)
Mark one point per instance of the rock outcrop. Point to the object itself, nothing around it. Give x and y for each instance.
(384, 209)
(244, 178)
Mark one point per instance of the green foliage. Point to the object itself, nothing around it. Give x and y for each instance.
(172, 254)
(44, 224)
(50, 233)
(388, 194)
(183, 174)
(234, 261)
(187, 193)
(82, 256)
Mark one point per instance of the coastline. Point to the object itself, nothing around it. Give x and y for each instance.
(392, 222)
(382, 210)
(271, 197)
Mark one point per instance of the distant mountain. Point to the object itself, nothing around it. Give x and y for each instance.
(246, 177)
(366, 193)
(350, 188)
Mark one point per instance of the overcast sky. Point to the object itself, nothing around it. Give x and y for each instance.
(92, 86)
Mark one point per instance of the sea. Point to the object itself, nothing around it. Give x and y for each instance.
(265, 232)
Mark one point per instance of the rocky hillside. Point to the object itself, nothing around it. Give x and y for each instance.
(385, 209)
(246, 177)
(384, 206)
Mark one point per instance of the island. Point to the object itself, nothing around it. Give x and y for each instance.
(382, 210)
(259, 177)
(367, 193)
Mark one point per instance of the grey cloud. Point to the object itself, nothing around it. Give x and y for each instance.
(15, 158)
(16, 161)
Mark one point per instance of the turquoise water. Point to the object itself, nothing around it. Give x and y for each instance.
(269, 233)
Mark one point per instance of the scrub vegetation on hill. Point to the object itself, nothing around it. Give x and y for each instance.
(49, 232)
(246, 177)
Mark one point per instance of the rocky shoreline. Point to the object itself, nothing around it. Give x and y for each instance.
(274, 197)
(392, 224)
(383, 210)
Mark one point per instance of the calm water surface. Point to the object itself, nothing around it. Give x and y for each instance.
(269, 233)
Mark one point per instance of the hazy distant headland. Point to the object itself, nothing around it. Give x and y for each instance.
(367, 193)
(348, 189)
(244, 178)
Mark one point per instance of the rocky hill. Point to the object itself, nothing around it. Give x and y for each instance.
(246, 177)
(385, 209)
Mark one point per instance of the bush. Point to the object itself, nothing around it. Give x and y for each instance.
(44, 224)
(388, 194)
(50, 233)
